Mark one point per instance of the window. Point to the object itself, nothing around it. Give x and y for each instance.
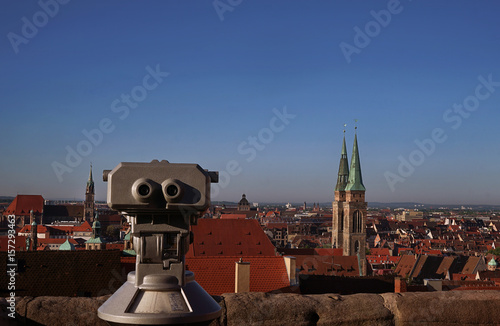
(357, 222)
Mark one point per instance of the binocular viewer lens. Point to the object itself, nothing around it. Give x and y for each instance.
(172, 190)
(146, 190)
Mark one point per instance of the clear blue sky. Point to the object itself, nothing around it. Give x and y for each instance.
(228, 68)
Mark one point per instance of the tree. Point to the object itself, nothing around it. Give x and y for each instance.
(495, 252)
(112, 231)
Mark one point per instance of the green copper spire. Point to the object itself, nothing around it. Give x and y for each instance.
(355, 178)
(343, 169)
(96, 227)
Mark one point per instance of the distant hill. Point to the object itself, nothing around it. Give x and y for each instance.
(410, 205)
(398, 205)
(379, 205)
(6, 199)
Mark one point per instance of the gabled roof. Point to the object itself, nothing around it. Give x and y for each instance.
(84, 227)
(328, 251)
(20, 244)
(23, 204)
(60, 229)
(380, 251)
(428, 266)
(445, 265)
(27, 229)
(233, 216)
(216, 237)
(405, 265)
(216, 274)
(472, 265)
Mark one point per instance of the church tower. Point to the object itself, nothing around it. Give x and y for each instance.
(340, 195)
(349, 208)
(89, 209)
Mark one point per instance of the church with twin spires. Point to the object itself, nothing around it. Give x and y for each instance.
(349, 208)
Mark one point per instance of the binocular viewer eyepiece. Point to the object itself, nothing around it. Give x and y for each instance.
(159, 186)
(146, 190)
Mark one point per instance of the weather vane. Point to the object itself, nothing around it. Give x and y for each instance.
(345, 125)
(355, 124)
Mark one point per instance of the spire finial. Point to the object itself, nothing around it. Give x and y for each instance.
(345, 125)
(355, 124)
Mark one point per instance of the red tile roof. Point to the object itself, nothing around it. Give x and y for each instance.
(23, 204)
(329, 251)
(55, 241)
(84, 227)
(445, 266)
(39, 229)
(405, 265)
(471, 265)
(233, 216)
(215, 237)
(216, 274)
(58, 229)
(463, 277)
(373, 259)
(380, 251)
(20, 243)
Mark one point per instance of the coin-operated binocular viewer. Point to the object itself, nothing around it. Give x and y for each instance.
(161, 200)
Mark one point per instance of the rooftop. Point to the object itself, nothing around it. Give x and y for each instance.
(231, 237)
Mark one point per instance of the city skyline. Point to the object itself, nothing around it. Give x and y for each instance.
(258, 91)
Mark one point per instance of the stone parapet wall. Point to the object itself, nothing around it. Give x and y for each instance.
(431, 308)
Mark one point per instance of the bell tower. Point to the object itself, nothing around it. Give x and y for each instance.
(340, 197)
(350, 208)
(89, 204)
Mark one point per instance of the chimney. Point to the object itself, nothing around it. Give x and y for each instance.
(399, 285)
(242, 277)
(290, 264)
